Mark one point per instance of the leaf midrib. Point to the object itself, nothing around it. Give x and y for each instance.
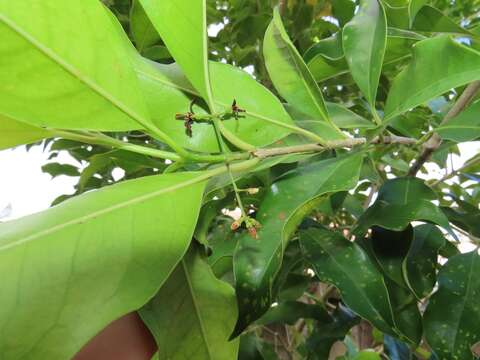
(72, 70)
(104, 211)
(197, 308)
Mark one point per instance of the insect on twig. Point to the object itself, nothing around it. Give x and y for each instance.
(188, 119)
(236, 110)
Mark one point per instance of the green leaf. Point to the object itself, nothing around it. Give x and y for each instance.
(168, 92)
(141, 28)
(91, 77)
(406, 315)
(463, 127)
(157, 53)
(414, 6)
(330, 48)
(364, 42)
(390, 249)
(182, 27)
(343, 10)
(421, 261)
(438, 65)
(326, 58)
(193, 314)
(432, 20)
(14, 133)
(291, 76)
(453, 314)
(289, 312)
(56, 169)
(257, 261)
(344, 264)
(401, 201)
(108, 253)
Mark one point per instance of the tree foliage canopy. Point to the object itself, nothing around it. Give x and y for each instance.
(274, 200)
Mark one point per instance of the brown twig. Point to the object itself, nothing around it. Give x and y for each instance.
(347, 143)
(435, 141)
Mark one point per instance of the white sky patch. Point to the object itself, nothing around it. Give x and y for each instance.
(118, 173)
(249, 69)
(214, 29)
(467, 151)
(331, 19)
(23, 185)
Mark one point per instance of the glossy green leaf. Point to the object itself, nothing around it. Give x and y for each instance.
(289, 200)
(141, 28)
(343, 10)
(453, 313)
(326, 58)
(463, 127)
(193, 314)
(168, 92)
(364, 42)
(290, 75)
(291, 282)
(330, 48)
(91, 77)
(108, 253)
(14, 133)
(182, 25)
(390, 249)
(421, 261)
(432, 20)
(414, 6)
(157, 53)
(344, 264)
(289, 312)
(399, 202)
(438, 65)
(406, 315)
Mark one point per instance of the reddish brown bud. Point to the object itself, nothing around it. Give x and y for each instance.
(253, 232)
(236, 109)
(235, 225)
